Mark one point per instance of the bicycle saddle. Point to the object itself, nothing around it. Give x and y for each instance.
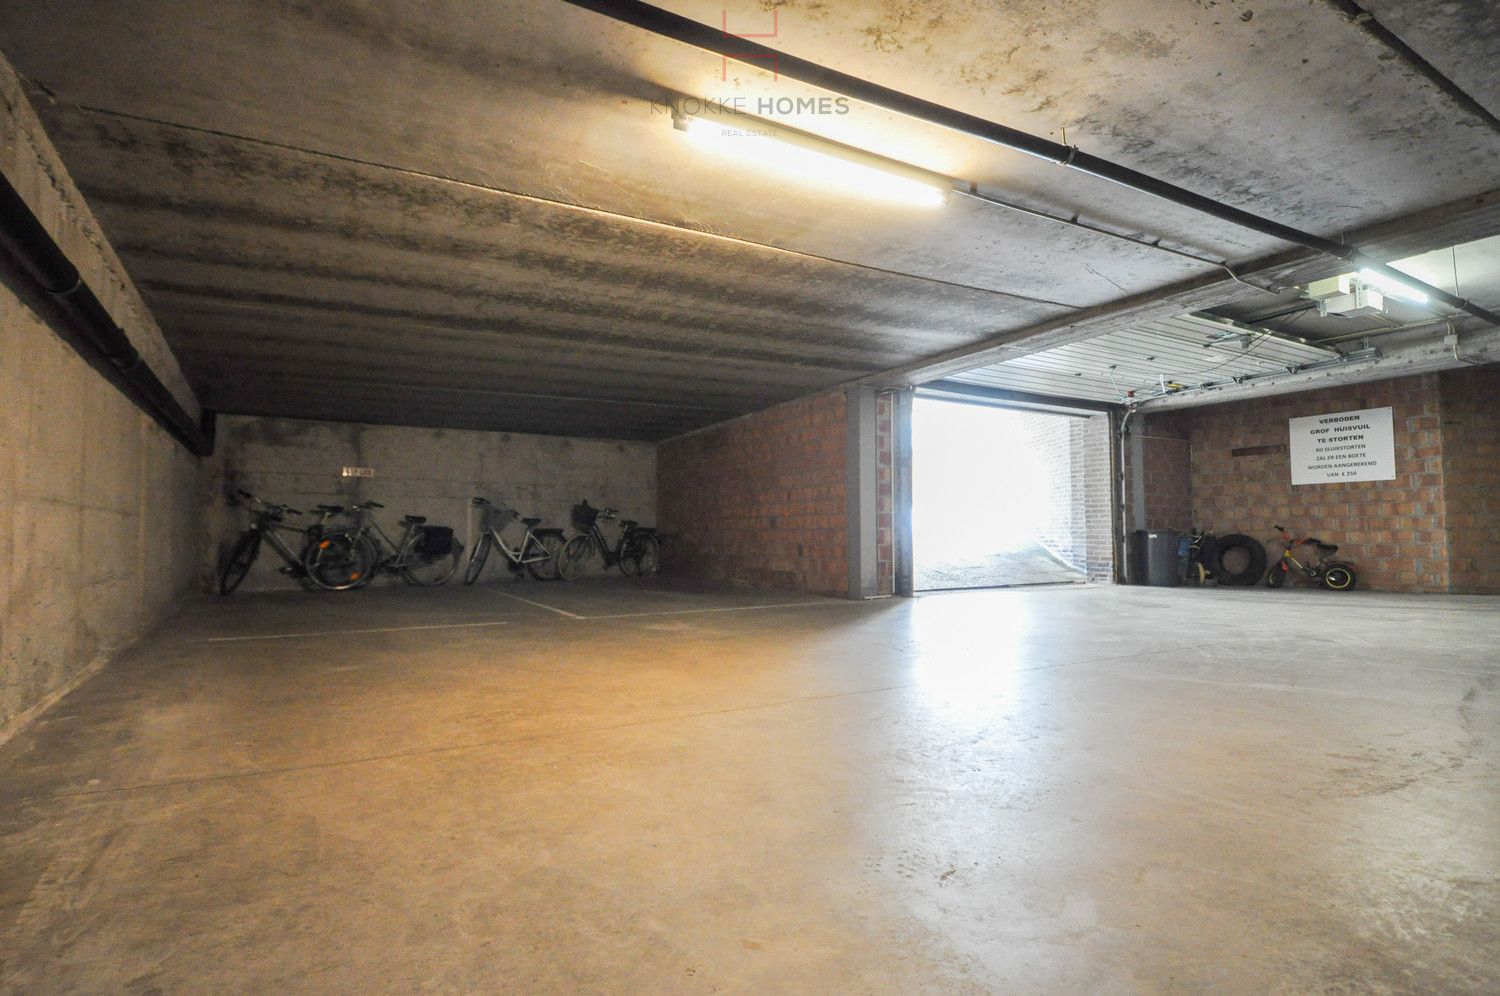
(331, 509)
(1325, 547)
(415, 520)
(531, 522)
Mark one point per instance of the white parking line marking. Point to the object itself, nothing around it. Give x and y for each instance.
(348, 632)
(561, 612)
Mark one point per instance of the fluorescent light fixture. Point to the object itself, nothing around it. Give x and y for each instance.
(809, 158)
(1392, 288)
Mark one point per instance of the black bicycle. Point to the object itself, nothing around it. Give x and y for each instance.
(351, 556)
(267, 523)
(637, 553)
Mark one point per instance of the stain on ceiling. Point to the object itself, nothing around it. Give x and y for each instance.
(478, 215)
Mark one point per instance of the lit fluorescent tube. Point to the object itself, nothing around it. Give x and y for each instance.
(811, 158)
(1392, 288)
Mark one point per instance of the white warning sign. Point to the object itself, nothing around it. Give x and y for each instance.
(1343, 446)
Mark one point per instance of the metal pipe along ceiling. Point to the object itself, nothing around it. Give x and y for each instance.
(36, 254)
(744, 50)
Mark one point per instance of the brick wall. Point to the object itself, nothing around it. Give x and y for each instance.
(760, 502)
(1049, 438)
(1396, 533)
(1471, 477)
(1093, 496)
(1164, 458)
(885, 505)
(1074, 456)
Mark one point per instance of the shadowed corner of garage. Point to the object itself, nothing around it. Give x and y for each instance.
(579, 496)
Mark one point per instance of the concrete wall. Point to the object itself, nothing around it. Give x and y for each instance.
(760, 501)
(1433, 528)
(431, 472)
(100, 515)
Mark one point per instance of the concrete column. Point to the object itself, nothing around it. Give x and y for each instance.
(862, 490)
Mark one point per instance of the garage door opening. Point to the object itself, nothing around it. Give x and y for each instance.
(1002, 497)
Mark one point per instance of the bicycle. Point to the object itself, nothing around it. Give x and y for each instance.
(537, 553)
(1332, 574)
(638, 552)
(267, 521)
(424, 556)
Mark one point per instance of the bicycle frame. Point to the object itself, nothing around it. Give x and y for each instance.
(518, 555)
(1289, 544)
(393, 555)
(609, 555)
(269, 528)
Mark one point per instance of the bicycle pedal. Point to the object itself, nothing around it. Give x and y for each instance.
(295, 572)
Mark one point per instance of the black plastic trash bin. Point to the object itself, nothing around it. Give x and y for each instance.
(1153, 557)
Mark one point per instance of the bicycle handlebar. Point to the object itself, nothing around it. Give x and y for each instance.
(270, 506)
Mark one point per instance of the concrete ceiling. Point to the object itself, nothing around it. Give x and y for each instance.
(472, 214)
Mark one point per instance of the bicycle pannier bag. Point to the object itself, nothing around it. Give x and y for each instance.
(436, 541)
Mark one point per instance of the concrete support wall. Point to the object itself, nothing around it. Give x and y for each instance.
(760, 502)
(431, 472)
(1433, 528)
(100, 515)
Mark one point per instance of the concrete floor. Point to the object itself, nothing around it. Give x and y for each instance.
(1032, 564)
(1072, 789)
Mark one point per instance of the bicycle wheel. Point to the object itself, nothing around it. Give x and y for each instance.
(1339, 577)
(648, 557)
(575, 557)
(340, 561)
(546, 570)
(476, 559)
(1276, 577)
(630, 558)
(373, 556)
(426, 570)
(246, 549)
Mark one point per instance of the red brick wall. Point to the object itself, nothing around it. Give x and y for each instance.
(1471, 477)
(1394, 532)
(1164, 456)
(760, 502)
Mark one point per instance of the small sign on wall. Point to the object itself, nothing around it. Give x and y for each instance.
(1343, 446)
(359, 471)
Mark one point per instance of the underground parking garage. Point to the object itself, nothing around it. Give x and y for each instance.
(591, 496)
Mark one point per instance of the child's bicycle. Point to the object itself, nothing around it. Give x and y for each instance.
(1332, 574)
